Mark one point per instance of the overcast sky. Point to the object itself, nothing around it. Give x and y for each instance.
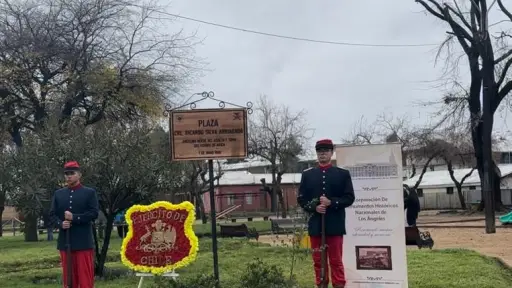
(335, 84)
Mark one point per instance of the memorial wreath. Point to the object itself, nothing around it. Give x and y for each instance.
(160, 237)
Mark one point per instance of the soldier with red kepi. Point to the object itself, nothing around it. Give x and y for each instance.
(326, 190)
(75, 207)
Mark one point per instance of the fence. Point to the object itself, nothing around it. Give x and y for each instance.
(435, 199)
(12, 225)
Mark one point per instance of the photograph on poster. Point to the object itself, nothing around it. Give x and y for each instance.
(373, 258)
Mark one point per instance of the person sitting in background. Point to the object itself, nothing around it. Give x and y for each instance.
(48, 225)
(412, 205)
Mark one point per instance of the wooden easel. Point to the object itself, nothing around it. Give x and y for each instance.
(171, 274)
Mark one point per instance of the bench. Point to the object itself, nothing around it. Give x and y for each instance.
(249, 219)
(234, 217)
(238, 231)
(414, 237)
(474, 205)
(287, 225)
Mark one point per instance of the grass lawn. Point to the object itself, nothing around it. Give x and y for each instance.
(37, 265)
(260, 226)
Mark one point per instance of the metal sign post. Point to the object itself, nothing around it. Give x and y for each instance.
(214, 222)
(208, 134)
(172, 275)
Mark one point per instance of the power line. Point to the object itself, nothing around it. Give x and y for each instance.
(291, 37)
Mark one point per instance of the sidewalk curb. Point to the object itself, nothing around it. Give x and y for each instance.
(503, 263)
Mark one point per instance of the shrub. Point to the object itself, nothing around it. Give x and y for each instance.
(259, 275)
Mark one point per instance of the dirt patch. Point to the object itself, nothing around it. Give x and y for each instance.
(277, 240)
(495, 245)
(438, 219)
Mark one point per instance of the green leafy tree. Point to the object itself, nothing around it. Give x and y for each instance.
(37, 172)
(83, 61)
(86, 59)
(124, 163)
(126, 168)
(7, 184)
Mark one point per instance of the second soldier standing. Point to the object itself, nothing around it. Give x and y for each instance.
(327, 190)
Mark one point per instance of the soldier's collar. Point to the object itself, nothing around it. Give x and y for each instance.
(324, 167)
(76, 187)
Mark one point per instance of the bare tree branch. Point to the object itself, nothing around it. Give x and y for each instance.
(279, 136)
(489, 62)
(362, 133)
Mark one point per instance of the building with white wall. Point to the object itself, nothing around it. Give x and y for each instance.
(437, 190)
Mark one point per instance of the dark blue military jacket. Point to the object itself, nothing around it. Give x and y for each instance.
(336, 184)
(83, 204)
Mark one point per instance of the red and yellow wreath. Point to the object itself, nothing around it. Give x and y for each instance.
(160, 237)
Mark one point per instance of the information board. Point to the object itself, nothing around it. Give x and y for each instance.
(208, 134)
(374, 251)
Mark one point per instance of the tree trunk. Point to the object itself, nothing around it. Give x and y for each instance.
(100, 261)
(498, 204)
(458, 184)
(489, 94)
(273, 201)
(96, 244)
(488, 181)
(497, 189)
(30, 229)
(202, 212)
(16, 137)
(461, 197)
(423, 171)
(413, 172)
(1, 227)
(476, 137)
(280, 196)
(273, 193)
(494, 181)
(101, 230)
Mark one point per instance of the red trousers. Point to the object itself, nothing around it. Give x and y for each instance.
(334, 256)
(83, 268)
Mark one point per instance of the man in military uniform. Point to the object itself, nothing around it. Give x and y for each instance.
(75, 207)
(327, 190)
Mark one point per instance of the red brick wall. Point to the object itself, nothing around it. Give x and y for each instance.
(251, 198)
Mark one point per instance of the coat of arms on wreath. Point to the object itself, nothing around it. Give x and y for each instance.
(163, 237)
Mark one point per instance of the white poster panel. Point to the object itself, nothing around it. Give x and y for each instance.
(374, 251)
